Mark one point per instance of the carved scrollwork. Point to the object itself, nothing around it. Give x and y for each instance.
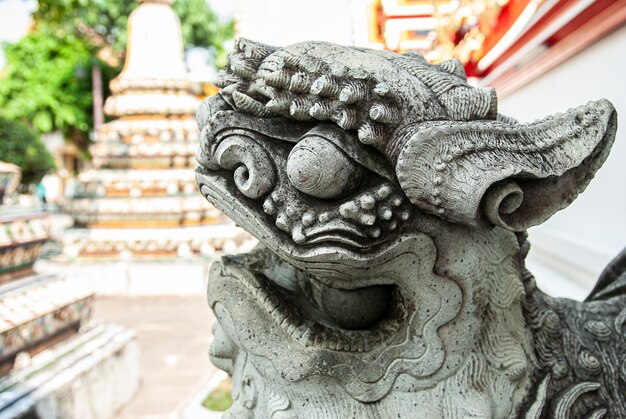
(253, 170)
(501, 200)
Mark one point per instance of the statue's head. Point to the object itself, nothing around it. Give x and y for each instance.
(334, 150)
(372, 175)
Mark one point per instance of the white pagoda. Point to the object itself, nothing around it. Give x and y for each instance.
(140, 199)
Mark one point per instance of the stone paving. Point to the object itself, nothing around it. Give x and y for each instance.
(174, 335)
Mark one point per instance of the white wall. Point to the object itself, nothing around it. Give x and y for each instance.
(14, 21)
(284, 22)
(572, 248)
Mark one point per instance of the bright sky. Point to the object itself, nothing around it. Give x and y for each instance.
(15, 17)
(224, 8)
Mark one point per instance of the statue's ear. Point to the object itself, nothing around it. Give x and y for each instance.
(483, 173)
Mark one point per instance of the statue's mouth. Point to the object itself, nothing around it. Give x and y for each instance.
(345, 318)
(317, 315)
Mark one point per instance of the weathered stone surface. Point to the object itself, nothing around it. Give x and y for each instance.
(391, 202)
(90, 376)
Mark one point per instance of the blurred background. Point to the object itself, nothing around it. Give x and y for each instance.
(104, 240)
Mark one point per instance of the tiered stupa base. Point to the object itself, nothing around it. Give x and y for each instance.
(156, 243)
(22, 236)
(36, 311)
(90, 375)
(146, 214)
(50, 354)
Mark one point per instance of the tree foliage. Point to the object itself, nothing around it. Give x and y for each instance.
(104, 22)
(47, 85)
(47, 80)
(23, 147)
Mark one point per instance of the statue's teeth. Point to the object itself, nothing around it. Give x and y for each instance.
(385, 213)
(332, 343)
(383, 192)
(285, 322)
(308, 219)
(346, 118)
(300, 82)
(276, 196)
(282, 222)
(367, 219)
(291, 328)
(395, 201)
(297, 333)
(276, 314)
(354, 91)
(371, 134)
(269, 207)
(325, 86)
(298, 234)
(324, 217)
(367, 201)
(348, 209)
(374, 232)
(305, 339)
(382, 113)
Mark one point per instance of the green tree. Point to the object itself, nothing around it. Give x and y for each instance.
(47, 85)
(23, 147)
(47, 80)
(104, 22)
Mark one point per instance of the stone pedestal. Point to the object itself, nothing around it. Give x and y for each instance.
(90, 376)
(54, 362)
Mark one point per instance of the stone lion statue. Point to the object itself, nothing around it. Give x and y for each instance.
(391, 200)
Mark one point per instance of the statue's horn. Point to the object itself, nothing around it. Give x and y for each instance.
(483, 173)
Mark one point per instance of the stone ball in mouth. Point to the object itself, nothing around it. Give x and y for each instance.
(357, 308)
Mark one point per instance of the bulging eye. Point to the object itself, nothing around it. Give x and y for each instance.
(318, 168)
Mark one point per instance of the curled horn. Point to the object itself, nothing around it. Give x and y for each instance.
(453, 66)
(483, 173)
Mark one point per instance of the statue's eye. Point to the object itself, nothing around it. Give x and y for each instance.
(318, 168)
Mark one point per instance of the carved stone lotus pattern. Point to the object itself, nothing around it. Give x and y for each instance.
(391, 201)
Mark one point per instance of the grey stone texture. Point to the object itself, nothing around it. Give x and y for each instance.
(391, 201)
